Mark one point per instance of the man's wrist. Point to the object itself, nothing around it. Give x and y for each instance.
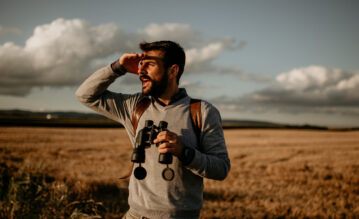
(187, 155)
(118, 68)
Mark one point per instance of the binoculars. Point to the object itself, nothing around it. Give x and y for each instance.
(144, 140)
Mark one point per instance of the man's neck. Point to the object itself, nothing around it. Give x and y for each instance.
(166, 97)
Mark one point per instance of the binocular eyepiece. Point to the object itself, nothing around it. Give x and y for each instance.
(144, 140)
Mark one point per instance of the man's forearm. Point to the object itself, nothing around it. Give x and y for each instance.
(210, 166)
(118, 68)
(98, 82)
(94, 94)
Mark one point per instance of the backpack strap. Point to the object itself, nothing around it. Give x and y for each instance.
(136, 115)
(196, 117)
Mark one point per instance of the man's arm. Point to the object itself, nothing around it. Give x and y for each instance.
(93, 91)
(211, 160)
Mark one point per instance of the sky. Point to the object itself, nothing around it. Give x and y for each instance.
(291, 62)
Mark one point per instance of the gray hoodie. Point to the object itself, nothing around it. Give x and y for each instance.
(153, 196)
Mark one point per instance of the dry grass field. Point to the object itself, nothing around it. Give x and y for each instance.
(274, 174)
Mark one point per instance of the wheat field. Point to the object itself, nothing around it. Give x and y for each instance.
(274, 173)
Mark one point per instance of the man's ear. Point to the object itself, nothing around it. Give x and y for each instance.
(173, 71)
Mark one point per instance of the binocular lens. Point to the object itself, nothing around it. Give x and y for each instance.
(168, 174)
(140, 173)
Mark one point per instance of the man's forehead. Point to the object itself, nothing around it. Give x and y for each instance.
(152, 58)
(154, 55)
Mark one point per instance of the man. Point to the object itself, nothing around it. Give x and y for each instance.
(160, 67)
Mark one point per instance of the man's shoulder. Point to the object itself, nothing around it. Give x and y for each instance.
(129, 101)
(209, 111)
(206, 107)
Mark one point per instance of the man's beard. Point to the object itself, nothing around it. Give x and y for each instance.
(157, 87)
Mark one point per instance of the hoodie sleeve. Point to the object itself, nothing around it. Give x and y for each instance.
(93, 93)
(211, 159)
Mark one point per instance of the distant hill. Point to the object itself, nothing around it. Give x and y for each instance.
(235, 123)
(56, 119)
(76, 119)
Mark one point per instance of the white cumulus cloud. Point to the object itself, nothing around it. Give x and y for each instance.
(63, 52)
(57, 54)
(314, 85)
(314, 89)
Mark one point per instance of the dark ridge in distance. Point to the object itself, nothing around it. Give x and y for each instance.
(92, 120)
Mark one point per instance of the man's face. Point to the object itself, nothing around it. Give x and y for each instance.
(153, 74)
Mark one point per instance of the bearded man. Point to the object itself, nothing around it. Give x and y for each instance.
(196, 154)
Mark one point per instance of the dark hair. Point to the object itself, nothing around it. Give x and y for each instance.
(173, 54)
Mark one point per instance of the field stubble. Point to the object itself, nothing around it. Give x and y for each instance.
(275, 173)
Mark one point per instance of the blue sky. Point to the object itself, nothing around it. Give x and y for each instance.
(283, 61)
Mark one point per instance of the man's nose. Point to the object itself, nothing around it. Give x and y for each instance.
(140, 69)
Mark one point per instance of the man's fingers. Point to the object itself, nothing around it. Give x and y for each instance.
(169, 143)
(165, 148)
(128, 58)
(165, 136)
(160, 140)
(164, 145)
(130, 61)
(141, 55)
(137, 56)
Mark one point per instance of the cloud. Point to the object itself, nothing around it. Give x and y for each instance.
(200, 59)
(57, 54)
(9, 30)
(314, 89)
(64, 52)
(181, 33)
(312, 86)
